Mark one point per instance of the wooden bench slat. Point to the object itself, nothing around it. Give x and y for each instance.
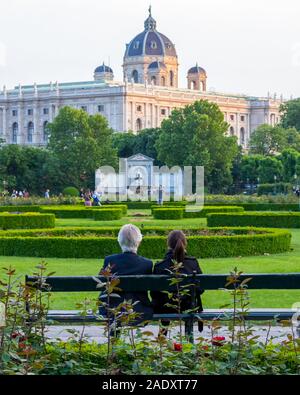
(161, 283)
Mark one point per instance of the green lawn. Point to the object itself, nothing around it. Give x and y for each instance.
(147, 220)
(281, 263)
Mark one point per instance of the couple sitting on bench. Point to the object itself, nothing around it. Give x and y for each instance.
(130, 263)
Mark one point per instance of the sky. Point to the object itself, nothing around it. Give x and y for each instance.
(249, 47)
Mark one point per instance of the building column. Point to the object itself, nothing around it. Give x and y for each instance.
(20, 136)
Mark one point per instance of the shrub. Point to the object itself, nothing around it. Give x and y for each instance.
(204, 212)
(168, 213)
(26, 221)
(71, 191)
(100, 242)
(107, 214)
(274, 220)
(23, 209)
(123, 207)
(68, 211)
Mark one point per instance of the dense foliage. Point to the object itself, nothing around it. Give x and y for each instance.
(26, 350)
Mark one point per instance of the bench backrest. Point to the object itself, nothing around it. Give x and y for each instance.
(162, 283)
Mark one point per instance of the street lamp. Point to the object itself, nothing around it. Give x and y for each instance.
(275, 179)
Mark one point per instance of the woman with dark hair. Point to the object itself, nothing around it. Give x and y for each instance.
(177, 245)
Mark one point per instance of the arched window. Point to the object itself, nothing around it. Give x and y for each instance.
(138, 124)
(171, 78)
(15, 128)
(242, 136)
(30, 132)
(202, 84)
(45, 132)
(231, 130)
(163, 81)
(194, 85)
(153, 80)
(135, 76)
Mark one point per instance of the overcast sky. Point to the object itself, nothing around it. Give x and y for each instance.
(245, 46)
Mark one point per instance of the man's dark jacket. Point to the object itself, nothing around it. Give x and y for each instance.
(126, 264)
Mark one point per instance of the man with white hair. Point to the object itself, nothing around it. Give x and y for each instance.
(130, 263)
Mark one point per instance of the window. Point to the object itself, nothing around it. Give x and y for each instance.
(135, 76)
(153, 80)
(138, 124)
(242, 118)
(153, 45)
(30, 132)
(15, 128)
(100, 108)
(231, 130)
(46, 111)
(242, 136)
(45, 132)
(139, 108)
(232, 117)
(30, 111)
(14, 113)
(163, 81)
(136, 45)
(84, 108)
(163, 111)
(171, 78)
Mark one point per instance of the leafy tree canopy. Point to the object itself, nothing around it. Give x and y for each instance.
(196, 136)
(290, 114)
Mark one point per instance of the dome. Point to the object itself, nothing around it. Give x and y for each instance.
(150, 42)
(103, 69)
(196, 70)
(157, 65)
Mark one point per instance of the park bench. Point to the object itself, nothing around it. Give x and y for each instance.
(207, 282)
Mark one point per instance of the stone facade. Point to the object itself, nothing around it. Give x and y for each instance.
(144, 99)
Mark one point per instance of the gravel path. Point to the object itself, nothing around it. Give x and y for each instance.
(95, 333)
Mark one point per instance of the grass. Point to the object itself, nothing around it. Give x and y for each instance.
(280, 263)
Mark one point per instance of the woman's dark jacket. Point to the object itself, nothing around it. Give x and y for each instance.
(159, 299)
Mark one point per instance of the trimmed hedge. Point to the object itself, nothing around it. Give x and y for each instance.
(79, 212)
(146, 205)
(123, 207)
(206, 210)
(271, 206)
(60, 243)
(107, 214)
(20, 209)
(168, 213)
(26, 221)
(257, 219)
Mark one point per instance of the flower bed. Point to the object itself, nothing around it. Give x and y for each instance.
(100, 242)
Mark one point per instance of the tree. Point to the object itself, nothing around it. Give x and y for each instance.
(196, 136)
(249, 168)
(268, 140)
(268, 169)
(290, 114)
(80, 143)
(24, 168)
(289, 158)
(124, 143)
